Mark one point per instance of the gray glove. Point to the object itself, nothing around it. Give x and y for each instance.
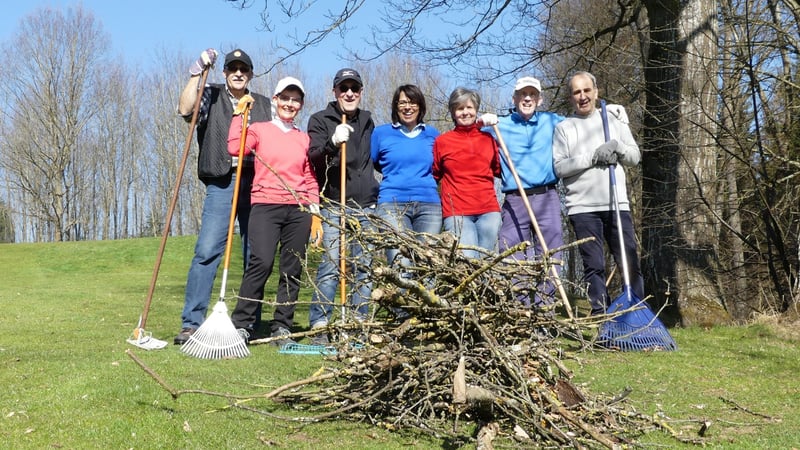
(606, 153)
(206, 58)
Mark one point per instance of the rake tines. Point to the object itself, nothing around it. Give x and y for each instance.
(623, 337)
(216, 338)
(636, 329)
(308, 349)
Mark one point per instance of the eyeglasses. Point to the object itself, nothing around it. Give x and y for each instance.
(343, 88)
(238, 68)
(524, 95)
(289, 99)
(407, 104)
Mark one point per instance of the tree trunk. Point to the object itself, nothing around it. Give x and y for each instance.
(679, 164)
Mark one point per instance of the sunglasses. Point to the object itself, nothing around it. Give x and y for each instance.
(355, 87)
(238, 68)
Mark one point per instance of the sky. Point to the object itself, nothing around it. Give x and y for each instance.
(140, 29)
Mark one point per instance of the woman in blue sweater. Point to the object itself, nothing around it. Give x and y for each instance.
(403, 152)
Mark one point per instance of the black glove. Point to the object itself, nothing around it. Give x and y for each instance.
(606, 154)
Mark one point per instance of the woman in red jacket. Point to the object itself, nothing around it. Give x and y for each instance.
(465, 163)
(283, 189)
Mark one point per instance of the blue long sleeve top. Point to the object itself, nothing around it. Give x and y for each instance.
(530, 144)
(405, 160)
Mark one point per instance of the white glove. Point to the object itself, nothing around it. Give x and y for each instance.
(619, 112)
(488, 119)
(342, 134)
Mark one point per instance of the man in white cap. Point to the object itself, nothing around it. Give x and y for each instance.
(217, 170)
(284, 188)
(528, 135)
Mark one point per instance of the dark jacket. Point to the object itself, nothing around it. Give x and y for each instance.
(213, 124)
(361, 187)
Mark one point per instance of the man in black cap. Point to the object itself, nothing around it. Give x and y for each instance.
(328, 133)
(217, 170)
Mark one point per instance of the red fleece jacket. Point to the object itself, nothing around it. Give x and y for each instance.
(465, 162)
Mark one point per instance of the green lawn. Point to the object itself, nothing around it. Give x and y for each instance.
(67, 383)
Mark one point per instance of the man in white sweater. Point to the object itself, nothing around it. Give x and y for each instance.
(582, 159)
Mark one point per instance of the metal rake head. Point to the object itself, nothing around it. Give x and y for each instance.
(307, 349)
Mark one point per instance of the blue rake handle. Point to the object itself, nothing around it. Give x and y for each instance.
(611, 170)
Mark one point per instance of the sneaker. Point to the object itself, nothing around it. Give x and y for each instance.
(283, 341)
(184, 335)
(246, 334)
(320, 339)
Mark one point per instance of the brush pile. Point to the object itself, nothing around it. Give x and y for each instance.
(452, 353)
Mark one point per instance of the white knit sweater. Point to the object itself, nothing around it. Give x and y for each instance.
(588, 186)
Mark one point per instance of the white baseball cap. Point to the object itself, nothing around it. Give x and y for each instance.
(526, 82)
(286, 82)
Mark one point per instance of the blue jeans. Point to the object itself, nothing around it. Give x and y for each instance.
(479, 230)
(211, 242)
(420, 217)
(327, 282)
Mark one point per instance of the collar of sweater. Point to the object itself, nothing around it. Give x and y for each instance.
(285, 126)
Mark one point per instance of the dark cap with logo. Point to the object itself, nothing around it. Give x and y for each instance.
(347, 74)
(238, 55)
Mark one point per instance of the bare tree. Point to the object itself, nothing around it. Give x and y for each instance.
(49, 107)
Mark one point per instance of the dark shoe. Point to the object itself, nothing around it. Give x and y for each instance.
(184, 335)
(320, 339)
(283, 341)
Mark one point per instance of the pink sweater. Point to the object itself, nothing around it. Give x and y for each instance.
(283, 174)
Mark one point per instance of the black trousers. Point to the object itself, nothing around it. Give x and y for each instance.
(602, 226)
(272, 226)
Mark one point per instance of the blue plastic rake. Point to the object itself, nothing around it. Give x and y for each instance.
(311, 349)
(637, 328)
(308, 349)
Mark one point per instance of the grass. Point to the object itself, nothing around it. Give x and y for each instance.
(69, 307)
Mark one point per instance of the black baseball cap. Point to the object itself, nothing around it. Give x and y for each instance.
(347, 74)
(238, 55)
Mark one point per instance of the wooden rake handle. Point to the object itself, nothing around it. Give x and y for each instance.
(536, 228)
(342, 223)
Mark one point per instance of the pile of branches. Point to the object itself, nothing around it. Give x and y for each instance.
(452, 352)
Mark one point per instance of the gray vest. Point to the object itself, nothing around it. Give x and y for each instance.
(213, 159)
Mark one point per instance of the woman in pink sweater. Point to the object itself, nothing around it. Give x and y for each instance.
(284, 188)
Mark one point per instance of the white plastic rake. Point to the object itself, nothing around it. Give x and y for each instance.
(216, 338)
